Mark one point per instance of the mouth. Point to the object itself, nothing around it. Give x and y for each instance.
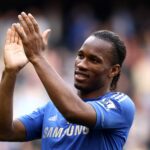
(80, 76)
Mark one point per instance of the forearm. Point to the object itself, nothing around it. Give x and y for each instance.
(62, 96)
(6, 100)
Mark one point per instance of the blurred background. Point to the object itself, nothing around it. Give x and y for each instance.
(71, 22)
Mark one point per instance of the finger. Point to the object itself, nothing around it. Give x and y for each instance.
(8, 35)
(24, 24)
(12, 35)
(16, 37)
(34, 22)
(45, 35)
(19, 39)
(28, 22)
(20, 32)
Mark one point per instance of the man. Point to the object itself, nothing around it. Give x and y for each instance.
(96, 118)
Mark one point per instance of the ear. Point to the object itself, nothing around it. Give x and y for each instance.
(114, 70)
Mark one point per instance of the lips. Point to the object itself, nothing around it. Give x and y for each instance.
(81, 75)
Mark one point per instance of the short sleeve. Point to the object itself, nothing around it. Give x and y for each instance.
(33, 123)
(116, 111)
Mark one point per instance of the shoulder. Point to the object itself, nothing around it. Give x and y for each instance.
(118, 99)
(121, 99)
(122, 102)
(114, 100)
(114, 109)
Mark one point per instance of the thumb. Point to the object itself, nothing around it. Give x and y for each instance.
(45, 35)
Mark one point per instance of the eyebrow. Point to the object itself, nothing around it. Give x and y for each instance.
(98, 57)
(92, 55)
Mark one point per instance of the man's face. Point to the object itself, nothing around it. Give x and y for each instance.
(92, 65)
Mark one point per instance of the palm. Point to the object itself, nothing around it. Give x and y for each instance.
(14, 56)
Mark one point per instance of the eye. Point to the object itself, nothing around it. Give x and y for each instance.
(94, 60)
(80, 55)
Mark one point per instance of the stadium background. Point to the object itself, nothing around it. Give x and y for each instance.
(71, 22)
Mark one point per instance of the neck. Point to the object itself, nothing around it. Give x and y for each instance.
(92, 94)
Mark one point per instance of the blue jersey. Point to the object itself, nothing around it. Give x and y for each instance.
(114, 111)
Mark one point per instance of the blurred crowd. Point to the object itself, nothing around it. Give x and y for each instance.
(70, 27)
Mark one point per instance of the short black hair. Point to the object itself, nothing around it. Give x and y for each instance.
(118, 47)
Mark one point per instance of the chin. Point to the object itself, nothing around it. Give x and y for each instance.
(81, 88)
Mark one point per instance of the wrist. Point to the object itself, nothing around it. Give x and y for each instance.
(37, 59)
(10, 72)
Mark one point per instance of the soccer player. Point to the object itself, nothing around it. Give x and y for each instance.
(97, 117)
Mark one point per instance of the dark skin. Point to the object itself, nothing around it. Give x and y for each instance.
(93, 70)
(93, 75)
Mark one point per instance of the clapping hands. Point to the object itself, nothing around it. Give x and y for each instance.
(24, 43)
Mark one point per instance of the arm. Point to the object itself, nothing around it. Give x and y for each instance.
(68, 103)
(14, 59)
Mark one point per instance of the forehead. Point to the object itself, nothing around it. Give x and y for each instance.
(97, 46)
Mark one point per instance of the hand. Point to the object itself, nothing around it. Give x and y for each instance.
(14, 56)
(33, 41)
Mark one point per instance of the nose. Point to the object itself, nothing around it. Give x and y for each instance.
(82, 64)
